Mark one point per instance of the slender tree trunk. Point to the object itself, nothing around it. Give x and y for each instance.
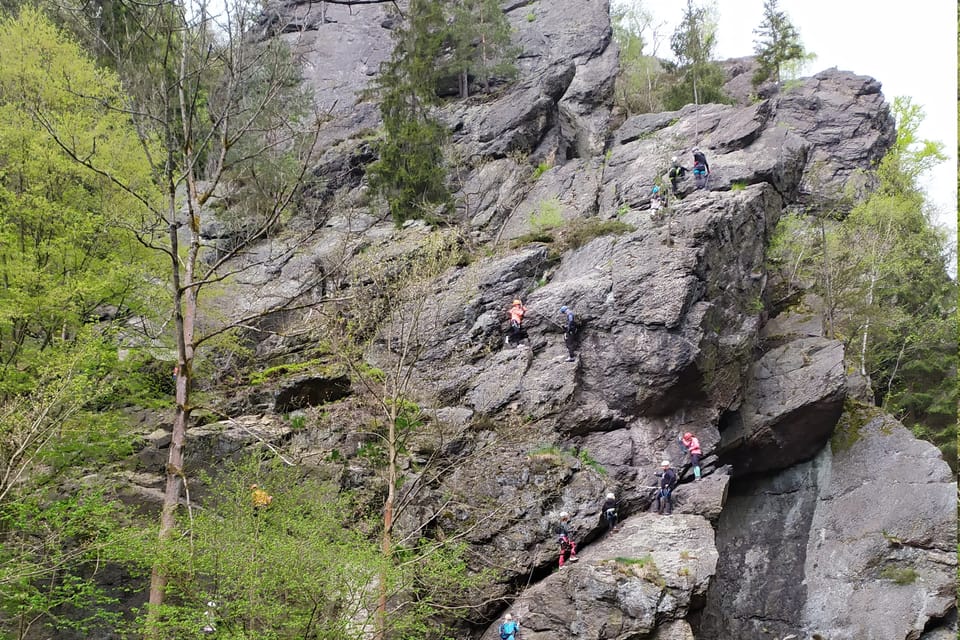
(827, 280)
(386, 542)
(185, 313)
(864, 339)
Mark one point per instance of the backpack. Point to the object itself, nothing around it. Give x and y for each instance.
(508, 634)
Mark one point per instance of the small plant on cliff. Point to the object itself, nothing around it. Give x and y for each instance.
(587, 460)
(547, 216)
(899, 575)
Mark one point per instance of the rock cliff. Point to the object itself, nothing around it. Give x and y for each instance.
(797, 528)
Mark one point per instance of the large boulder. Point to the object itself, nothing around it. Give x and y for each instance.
(858, 543)
(792, 401)
(640, 581)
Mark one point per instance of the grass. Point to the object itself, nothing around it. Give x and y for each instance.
(547, 216)
(738, 186)
(899, 575)
(294, 367)
(579, 232)
(643, 567)
(540, 170)
(584, 456)
(555, 456)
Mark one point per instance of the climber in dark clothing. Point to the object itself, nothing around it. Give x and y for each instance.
(676, 173)
(700, 169)
(609, 511)
(668, 480)
(568, 548)
(569, 333)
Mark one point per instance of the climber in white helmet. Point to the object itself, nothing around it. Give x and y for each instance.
(609, 511)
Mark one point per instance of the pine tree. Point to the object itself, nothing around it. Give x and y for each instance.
(480, 34)
(693, 44)
(410, 171)
(778, 43)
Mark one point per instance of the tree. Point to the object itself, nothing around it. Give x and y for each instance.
(65, 253)
(777, 43)
(638, 81)
(882, 271)
(693, 43)
(480, 35)
(382, 338)
(213, 104)
(410, 171)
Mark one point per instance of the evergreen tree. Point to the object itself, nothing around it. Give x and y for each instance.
(410, 172)
(693, 44)
(480, 35)
(778, 43)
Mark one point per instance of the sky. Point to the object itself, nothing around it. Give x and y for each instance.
(911, 49)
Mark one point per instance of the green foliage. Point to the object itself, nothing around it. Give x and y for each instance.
(777, 44)
(540, 170)
(693, 43)
(882, 272)
(50, 547)
(65, 252)
(410, 172)
(302, 567)
(643, 567)
(899, 575)
(480, 38)
(317, 365)
(587, 460)
(548, 216)
(579, 232)
(640, 77)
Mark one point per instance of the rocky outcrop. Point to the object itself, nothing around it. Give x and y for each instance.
(642, 580)
(793, 398)
(673, 339)
(858, 543)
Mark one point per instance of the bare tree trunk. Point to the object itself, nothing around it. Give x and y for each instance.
(827, 280)
(386, 542)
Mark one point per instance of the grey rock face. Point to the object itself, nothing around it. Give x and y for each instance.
(671, 326)
(867, 526)
(310, 391)
(792, 401)
(640, 580)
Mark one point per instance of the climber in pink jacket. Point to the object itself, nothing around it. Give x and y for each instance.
(689, 442)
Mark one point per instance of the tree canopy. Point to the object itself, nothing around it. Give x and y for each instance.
(777, 43)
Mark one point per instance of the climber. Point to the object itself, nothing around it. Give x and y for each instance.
(517, 311)
(658, 199)
(509, 628)
(260, 499)
(691, 444)
(570, 331)
(668, 479)
(568, 548)
(676, 173)
(700, 169)
(609, 510)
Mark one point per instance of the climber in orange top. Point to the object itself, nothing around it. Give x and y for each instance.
(260, 498)
(517, 312)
